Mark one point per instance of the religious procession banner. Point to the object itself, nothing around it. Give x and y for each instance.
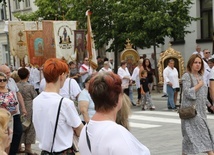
(33, 25)
(49, 41)
(90, 42)
(17, 38)
(79, 42)
(35, 44)
(64, 39)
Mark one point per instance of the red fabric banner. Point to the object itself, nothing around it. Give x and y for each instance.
(49, 41)
(35, 43)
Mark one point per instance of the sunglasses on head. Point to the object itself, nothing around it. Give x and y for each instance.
(3, 80)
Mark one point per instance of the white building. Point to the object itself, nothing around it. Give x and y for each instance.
(6, 14)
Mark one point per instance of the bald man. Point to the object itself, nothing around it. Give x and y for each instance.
(17, 125)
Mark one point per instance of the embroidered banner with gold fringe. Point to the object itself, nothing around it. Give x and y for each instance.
(64, 39)
(17, 38)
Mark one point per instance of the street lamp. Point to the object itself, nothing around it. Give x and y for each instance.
(8, 43)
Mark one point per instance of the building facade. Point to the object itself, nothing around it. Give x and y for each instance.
(6, 14)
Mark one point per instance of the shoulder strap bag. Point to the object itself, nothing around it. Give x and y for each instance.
(57, 118)
(87, 138)
(188, 112)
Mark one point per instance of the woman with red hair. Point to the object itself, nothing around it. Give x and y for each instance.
(46, 107)
(106, 92)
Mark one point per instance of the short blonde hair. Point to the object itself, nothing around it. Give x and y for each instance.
(106, 63)
(4, 121)
(123, 113)
(15, 76)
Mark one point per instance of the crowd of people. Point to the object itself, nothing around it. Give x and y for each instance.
(58, 101)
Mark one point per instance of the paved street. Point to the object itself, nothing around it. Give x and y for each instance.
(159, 130)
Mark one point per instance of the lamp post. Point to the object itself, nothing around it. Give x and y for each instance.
(8, 43)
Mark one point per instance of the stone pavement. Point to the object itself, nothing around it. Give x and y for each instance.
(159, 130)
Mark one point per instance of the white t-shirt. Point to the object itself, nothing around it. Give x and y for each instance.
(211, 76)
(64, 91)
(135, 76)
(42, 85)
(122, 73)
(109, 138)
(105, 70)
(85, 68)
(74, 89)
(85, 96)
(171, 75)
(152, 61)
(206, 74)
(36, 78)
(201, 53)
(45, 107)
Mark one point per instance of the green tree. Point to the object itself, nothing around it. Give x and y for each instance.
(145, 22)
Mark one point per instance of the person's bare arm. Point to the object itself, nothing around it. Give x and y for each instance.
(78, 130)
(83, 107)
(21, 101)
(142, 91)
(141, 69)
(212, 90)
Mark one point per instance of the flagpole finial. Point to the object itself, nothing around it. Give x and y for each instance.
(88, 12)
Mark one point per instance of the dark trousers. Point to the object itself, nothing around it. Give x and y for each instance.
(210, 100)
(138, 93)
(17, 134)
(126, 91)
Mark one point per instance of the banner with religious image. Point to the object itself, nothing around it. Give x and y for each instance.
(64, 39)
(49, 41)
(17, 38)
(79, 39)
(35, 44)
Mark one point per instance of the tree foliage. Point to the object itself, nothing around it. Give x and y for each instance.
(144, 22)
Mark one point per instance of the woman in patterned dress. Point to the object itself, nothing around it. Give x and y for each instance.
(28, 93)
(8, 100)
(197, 137)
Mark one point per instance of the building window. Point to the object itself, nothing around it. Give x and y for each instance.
(17, 4)
(27, 3)
(2, 12)
(5, 54)
(207, 18)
